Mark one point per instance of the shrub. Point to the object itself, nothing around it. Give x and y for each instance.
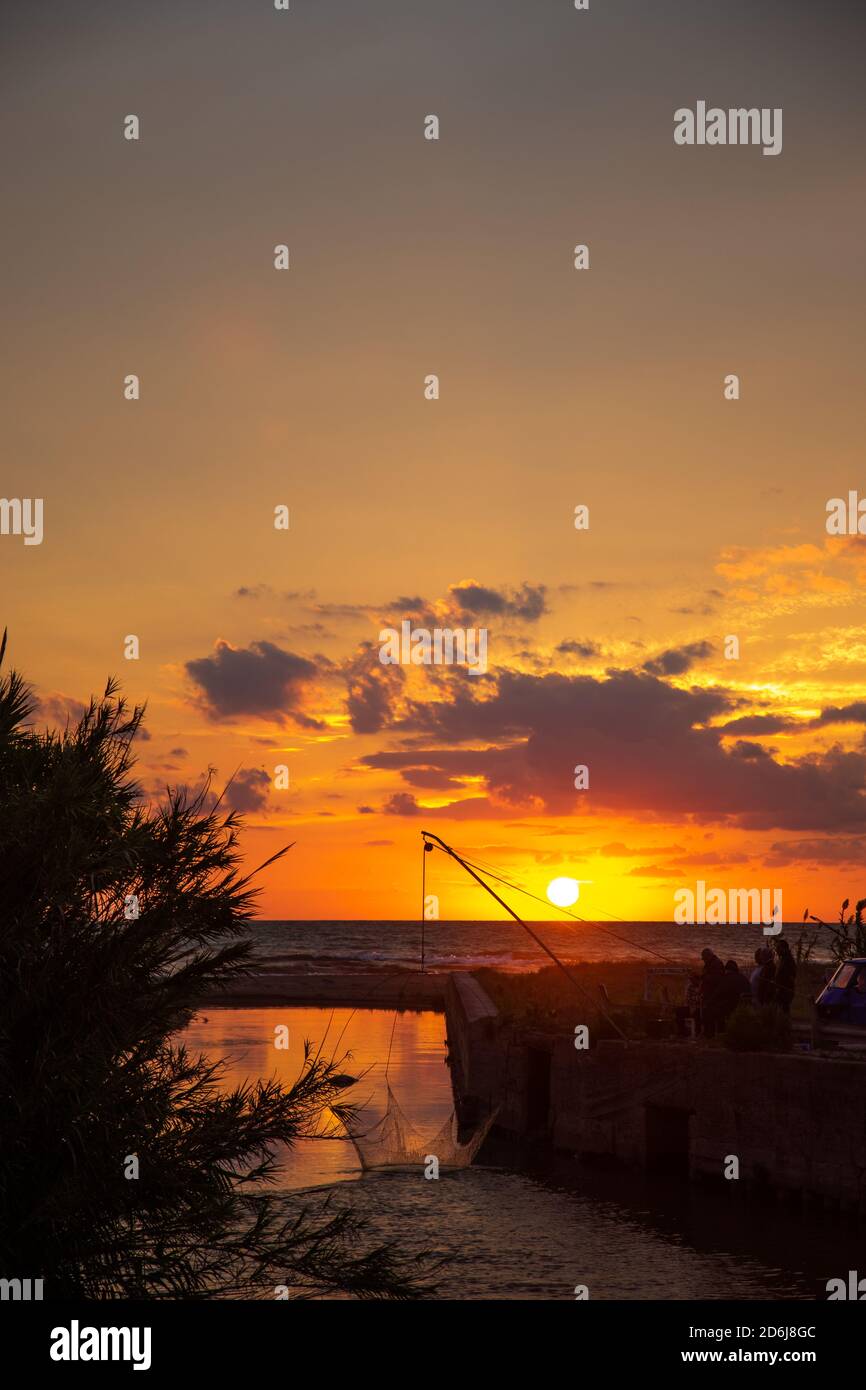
(92, 1074)
(766, 1029)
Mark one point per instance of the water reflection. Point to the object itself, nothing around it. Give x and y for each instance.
(245, 1038)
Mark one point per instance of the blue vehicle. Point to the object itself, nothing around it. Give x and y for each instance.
(843, 998)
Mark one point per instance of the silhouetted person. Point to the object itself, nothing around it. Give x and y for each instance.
(733, 990)
(786, 976)
(691, 1009)
(712, 992)
(763, 977)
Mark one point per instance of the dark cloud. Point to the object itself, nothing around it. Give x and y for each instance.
(401, 804)
(744, 748)
(843, 714)
(345, 610)
(178, 753)
(404, 804)
(838, 850)
(759, 724)
(248, 790)
(647, 744)
(677, 660)
(584, 649)
(429, 778)
(60, 710)
(256, 591)
(405, 604)
(372, 690)
(261, 680)
(528, 602)
(253, 591)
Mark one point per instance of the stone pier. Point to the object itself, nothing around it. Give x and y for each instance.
(794, 1122)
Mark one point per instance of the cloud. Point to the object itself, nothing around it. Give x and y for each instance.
(401, 804)
(59, 710)
(844, 714)
(759, 724)
(527, 603)
(256, 591)
(739, 562)
(838, 850)
(663, 871)
(618, 850)
(248, 790)
(677, 660)
(253, 591)
(260, 680)
(473, 808)
(649, 747)
(745, 748)
(585, 649)
(372, 690)
(431, 779)
(789, 577)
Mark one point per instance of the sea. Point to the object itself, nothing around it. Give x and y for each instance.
(338, 947)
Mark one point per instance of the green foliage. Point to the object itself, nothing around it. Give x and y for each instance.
(767, 1029)
(849, 937)
(91, 1069)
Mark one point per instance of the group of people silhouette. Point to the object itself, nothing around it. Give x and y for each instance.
(713, 994)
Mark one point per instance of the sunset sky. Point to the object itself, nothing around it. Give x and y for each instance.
(558, 387)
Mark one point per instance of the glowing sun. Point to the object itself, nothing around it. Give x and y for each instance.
(562, 892)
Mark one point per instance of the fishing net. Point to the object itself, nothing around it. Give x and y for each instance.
(393, 1143)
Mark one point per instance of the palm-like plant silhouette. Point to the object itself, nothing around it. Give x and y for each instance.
(91, 1072)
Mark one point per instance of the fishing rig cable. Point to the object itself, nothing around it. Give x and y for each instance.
(575, 916)
(429, 837)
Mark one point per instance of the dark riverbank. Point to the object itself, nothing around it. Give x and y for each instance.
(398, 989)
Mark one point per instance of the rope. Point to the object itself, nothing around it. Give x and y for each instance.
(423, 900)
(390, 1045)
(446, 849)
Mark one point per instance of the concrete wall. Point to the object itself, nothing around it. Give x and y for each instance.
(489, 1061)
(795, 1122)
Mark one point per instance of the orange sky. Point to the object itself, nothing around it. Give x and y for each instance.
(558, 388)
